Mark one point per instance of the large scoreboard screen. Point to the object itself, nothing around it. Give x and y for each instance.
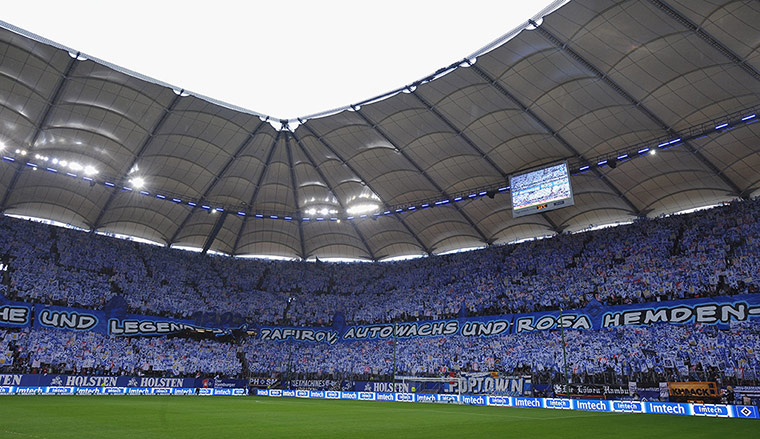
(541, 190)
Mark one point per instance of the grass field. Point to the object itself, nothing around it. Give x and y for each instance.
(148, 417)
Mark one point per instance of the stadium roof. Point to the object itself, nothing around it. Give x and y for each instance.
(599, 84)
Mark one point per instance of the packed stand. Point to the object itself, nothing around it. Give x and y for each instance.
(652, 354)
(707, 253)
(91, 353)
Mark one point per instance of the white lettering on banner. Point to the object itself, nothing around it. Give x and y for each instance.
(58, 389)
(90, 381)
(67, 320)
(115, 390)
(403, 330)
(28, 390)
(493, 327)
(597, 406)
(527, 402)
(139, 327)
(571, 321)
(514, 386)
(183, 391)
(88, 390)
(161, 382)
(498, 400)
(666, 408)
(627, 406)
(710, 410)
(10, 380)
(278, 334)
(449, 398)
(555, 403)
(16, 315)
(138, 391)
(706, 313)
(426, 398)
(474, 400)
(391, 387)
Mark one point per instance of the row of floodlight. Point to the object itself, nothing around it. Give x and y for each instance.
(669, 143)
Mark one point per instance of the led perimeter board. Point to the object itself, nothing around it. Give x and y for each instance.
(541, 190)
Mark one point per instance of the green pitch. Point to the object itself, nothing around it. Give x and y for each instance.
(148, 417)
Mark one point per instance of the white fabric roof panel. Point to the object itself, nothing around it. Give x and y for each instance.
(594, 80)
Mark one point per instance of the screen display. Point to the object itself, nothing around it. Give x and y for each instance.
(541, 190)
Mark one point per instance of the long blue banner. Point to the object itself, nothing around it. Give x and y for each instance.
(713, 311)
(15, 314)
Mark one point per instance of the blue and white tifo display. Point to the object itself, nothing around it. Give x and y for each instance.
(588, 405)
(541, 190)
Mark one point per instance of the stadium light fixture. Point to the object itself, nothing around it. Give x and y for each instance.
(362, 208)
(138, 182)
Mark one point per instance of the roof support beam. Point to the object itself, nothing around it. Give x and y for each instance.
(256, 191)
(536, 118)
(460, 133)
(215, 231)
(709, 39)
(216, 179)
(419, 169)
(330, 187)
(563, 46)
(140, 151)
(353, 170)
(41, 125)
(294, 187)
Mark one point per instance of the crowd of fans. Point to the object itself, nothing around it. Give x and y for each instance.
(660, 352)
(90, 353)
(707, 253)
